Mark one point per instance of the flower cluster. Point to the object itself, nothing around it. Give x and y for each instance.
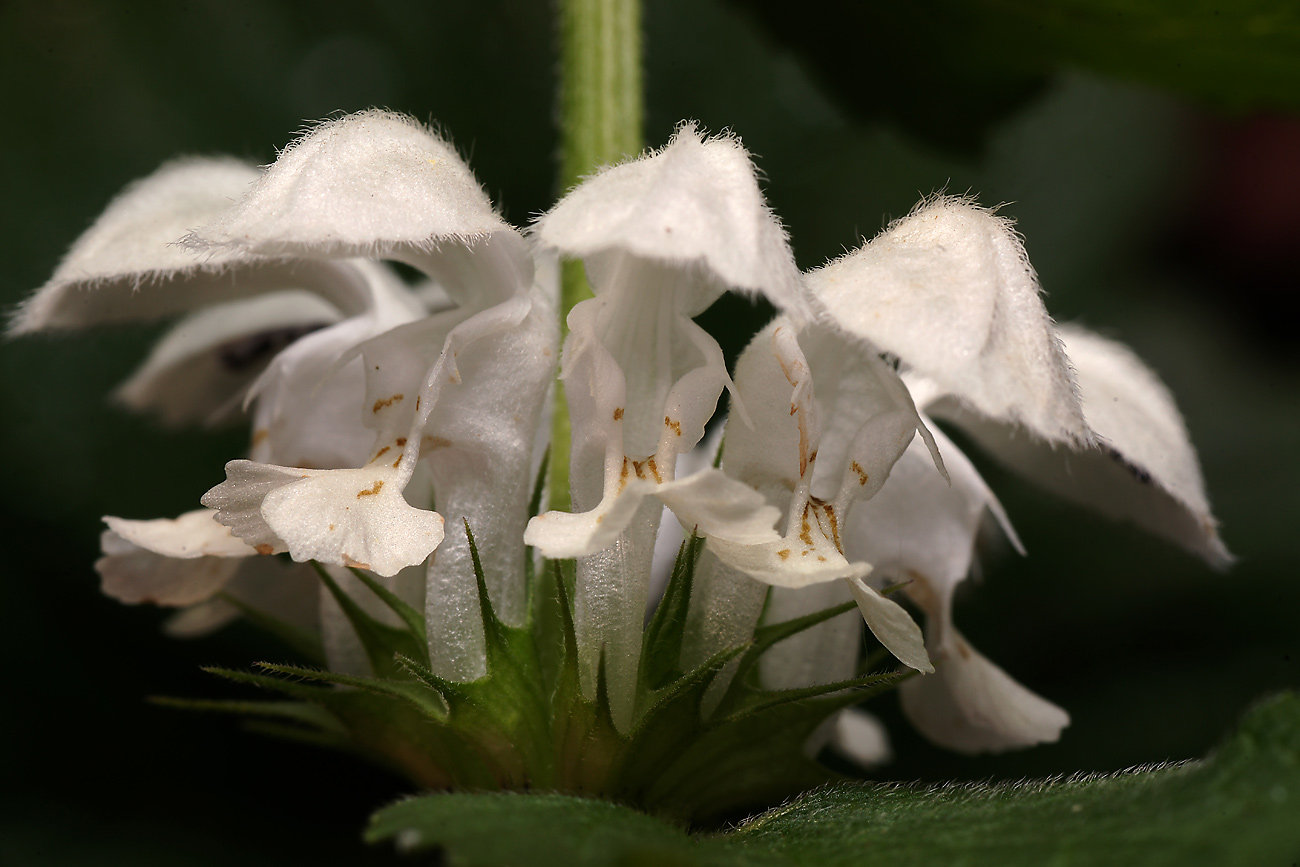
(393, 419)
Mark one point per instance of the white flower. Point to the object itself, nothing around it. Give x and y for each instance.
(994, 364)
(343, 414)
(464, 388)
(662, 237)
(378, 411)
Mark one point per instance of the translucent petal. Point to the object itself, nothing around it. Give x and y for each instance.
(892, 626)
(861, 737)
(287, 591)
(949, 290)
(920, 525)
(1143, 469)
(128, 267)
(972, 706)
(133, 573)
(826, 653)
(199, 371)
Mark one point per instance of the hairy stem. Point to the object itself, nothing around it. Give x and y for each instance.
(600, 123)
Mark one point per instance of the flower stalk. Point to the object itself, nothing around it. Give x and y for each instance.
(601, 113)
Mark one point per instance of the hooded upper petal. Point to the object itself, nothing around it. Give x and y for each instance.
(130, 247)
(377, 184)
(694, 204)
(949, 290)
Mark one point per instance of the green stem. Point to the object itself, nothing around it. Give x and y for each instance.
(600, 122)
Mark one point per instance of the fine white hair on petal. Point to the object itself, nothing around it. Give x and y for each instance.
(694, 204)
(949, 290)
(131, 246)
(365, 184)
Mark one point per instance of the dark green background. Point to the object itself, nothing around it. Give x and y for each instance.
(1150, 154)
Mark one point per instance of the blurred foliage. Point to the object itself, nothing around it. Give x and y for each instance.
(1110, 178)
(949, 70)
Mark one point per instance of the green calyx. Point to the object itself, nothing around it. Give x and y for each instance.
(526, 726)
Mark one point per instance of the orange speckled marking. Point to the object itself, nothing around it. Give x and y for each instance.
(618, 414)
(675, 425)
(862, 474)
(376, 488)
(264, 549)
(386, 401)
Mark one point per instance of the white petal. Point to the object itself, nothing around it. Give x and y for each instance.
(972, 706)
(711, 503)
(720, 508)
(949, 290)
(919, 524)
(563, 535)
(198, 372)
(175, 562)
(773, 442)
(694, 204)
(479, 446)
(238, 502)
(133, 574)
(194, 534)
(344, 517)
(1143, 469)
(287, 591)
(892, 626)
(128, 266)
(725, 607)
(868, 418)
(861, 737)
(374, 184)
(826, 653)
(131, 244)
(671, 534)
(310, 410)
(786, 563)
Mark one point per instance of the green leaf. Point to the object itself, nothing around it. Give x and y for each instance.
(661, 647)
(497, 829)
(1238, 807)
(423, 698)
(413, 619)
(381, 641)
